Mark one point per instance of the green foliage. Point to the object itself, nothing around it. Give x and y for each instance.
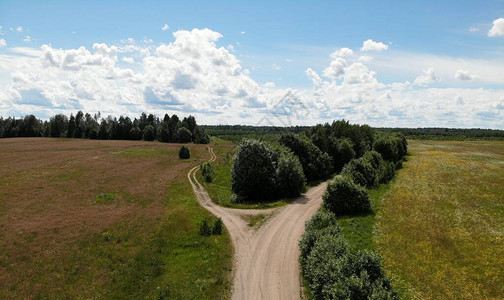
(184, 135)
(253, 174)
(148, 133)
(290, 178)
(341, 151)
(200, 136)
(392, 147)
(333, 270)
(262, 172)
(207, 171)
(184, 152)
(361, 171)
(217, 227)
(316, 164)
(207, 227)
(344, 197)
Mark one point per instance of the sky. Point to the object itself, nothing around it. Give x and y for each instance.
(383, 63)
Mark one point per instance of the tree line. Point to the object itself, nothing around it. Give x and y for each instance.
(261, 170)
(146, 127)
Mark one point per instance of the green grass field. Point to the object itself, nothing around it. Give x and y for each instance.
(105, 219)
(440, 228)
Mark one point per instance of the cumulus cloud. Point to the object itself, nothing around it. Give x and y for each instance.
(3, 43)
(370, 45)
(497, 28)
(165, 27)
(129, 60)
(27, 39)
(465, 75)
(336, 69)
(342, 53)
(19, 29)
(428, 76)
(315, 78)
(473, 29)
(193, 74)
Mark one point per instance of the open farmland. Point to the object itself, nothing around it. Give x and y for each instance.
(87, 218)
(441, 226)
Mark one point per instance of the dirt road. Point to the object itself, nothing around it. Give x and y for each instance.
(266, 258)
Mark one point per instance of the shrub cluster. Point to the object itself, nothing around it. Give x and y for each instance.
(344, 197)
(207, 227)
(316, 163)
(370, 169)
(184, 153)
(333, 270)
(392, 147)
(207, 171)
(261, 172)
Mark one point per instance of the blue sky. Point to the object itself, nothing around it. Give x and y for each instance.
(426, 54)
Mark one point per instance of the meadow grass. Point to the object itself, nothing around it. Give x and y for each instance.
(440, 227)
(94, 224)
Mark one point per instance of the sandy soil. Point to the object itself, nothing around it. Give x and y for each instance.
(266, 262)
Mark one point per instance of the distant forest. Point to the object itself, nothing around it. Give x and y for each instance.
(236, 132)
(146, 127)
(172, 129)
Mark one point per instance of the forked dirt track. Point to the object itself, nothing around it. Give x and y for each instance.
(265, 259)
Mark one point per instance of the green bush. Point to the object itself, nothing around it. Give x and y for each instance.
(208, 228)
(361, 171)
(217, 227)
(387, 171)
(207, 171)
(344, 197)
(204, 227)
(316, 164)
(148, 133)
(184, 135)
(290, 177)
(253, 173)
(184, 153)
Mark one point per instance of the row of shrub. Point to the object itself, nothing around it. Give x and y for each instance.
(333, 270)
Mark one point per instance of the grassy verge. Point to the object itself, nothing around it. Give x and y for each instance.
(440, 226)
(359, 231)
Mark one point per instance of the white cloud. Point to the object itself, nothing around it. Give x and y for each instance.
(19, 29)
(342, 53)
(473, 29)
(3, 43)
(465, 75)
(370, 45)
(27, 39)
(269, 84)
(336, 68)
(129, 60)
(497, 28)
(243, 32)
(315, 78)
(365, 58)
(276, 67)
(165, 27)
(193, 74)
(428, 76)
